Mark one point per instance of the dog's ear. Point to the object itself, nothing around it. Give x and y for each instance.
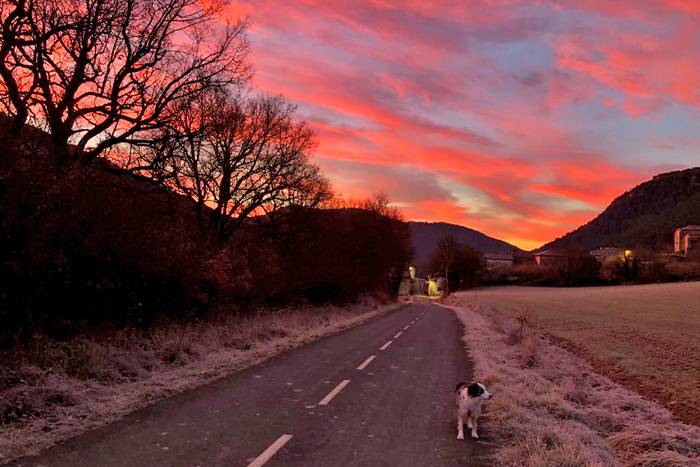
(475, 390)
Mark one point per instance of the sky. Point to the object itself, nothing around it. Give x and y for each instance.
(521, 119)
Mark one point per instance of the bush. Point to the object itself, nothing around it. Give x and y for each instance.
(21, 403)
(332, 255)
(103, 247)
(682, 269)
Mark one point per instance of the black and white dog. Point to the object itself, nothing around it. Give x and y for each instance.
(468, 399)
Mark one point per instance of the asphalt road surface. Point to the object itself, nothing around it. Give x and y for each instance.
(379, 394)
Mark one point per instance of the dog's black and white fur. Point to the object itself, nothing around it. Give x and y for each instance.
(468, 399)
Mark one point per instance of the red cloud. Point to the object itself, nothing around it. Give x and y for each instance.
(478, 113)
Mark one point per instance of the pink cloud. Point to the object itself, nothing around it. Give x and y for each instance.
(513, 107)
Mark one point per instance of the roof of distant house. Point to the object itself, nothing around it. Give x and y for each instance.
(550, 252)
(498, 256)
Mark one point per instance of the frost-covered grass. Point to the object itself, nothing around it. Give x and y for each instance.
(552, 409)
(51, 390)
(643, 336)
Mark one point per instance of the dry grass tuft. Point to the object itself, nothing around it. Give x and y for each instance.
(515, 334)
(552, 409)
(530, 353)
(53, 390)
(641, 440)
(547, 449)
(580, 392)
(660, 459)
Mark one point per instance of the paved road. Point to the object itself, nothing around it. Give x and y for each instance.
(310, 407)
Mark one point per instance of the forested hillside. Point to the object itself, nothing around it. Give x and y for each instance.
(425, 236)
(644, 216)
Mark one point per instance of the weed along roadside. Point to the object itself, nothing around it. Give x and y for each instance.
(640, 336)
(553, 408)
(61, 389)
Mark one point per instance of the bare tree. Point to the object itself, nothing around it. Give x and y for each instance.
(100, 73)
(260, 162)
(444, 256)
(16, 82)
(237, 157)
(179, 154)
(379, 203)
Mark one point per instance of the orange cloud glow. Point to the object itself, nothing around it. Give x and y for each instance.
(520, 119)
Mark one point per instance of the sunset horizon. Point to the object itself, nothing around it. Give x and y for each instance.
(522, 120)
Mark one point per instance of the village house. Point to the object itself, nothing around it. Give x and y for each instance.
(685, 239)
(497, 260)
(412, 285)
(550, 256)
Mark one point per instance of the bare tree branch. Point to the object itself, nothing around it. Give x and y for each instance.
(238, 157)
(101, 73)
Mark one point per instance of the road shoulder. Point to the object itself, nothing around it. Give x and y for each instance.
(93, 403)
(552, 408)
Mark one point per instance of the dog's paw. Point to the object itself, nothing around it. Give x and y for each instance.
(460, 436)
(475, 436)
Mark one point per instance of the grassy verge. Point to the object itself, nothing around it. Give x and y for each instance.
(50, 390)
(643, 336)
(552, 409)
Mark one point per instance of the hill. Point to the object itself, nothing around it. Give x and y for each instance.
(644, 216)
(91, 246)
(425, 236)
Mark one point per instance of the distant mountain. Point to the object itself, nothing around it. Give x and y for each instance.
(645, 216)
(425, 236)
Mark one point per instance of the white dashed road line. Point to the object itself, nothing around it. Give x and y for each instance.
(282, 440)
(270, 451)
(329, 397)
(366, 362)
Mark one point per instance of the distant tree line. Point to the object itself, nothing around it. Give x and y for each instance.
(576, 267)
(141, 176)
(460, 265)
(159, 88)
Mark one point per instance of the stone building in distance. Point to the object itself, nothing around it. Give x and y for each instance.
(686, 239)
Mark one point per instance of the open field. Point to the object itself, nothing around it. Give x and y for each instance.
(646, 337)
(551, 408)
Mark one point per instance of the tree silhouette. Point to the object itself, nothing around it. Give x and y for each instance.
(459, 263)
(100, 73)
(237, 156)
(444, 256)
